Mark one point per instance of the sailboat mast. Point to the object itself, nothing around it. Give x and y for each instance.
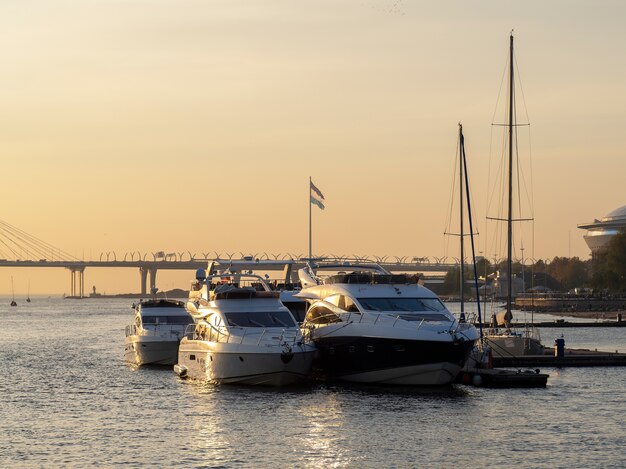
(463, 161)
(509, 265)
(462, 263)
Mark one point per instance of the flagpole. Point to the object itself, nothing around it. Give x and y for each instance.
(310, 220)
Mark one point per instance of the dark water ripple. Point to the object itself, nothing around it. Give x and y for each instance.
(67, 399)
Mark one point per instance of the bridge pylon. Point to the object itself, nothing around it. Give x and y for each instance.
(77, 288)
(143, 273)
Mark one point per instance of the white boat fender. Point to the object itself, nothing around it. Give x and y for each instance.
(180, 370)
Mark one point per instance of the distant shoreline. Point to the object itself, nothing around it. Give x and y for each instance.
(175, 293)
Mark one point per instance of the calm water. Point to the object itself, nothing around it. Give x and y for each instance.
(68, 399)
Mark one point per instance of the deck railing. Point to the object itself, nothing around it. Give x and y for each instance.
(248, 335)
(156, 330)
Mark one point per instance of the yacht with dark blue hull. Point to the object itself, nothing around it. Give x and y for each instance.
(371, 326)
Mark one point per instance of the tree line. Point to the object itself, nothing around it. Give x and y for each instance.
(606, 272)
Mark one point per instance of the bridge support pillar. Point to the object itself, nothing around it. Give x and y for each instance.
(143, 273)
(153, 273)
(77, 287)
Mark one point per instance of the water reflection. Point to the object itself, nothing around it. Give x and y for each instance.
(322, 420)
(207, 444)
(67, 399)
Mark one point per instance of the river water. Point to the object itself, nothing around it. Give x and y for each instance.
(68, 400)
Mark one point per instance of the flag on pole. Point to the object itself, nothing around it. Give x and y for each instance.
(317, 197)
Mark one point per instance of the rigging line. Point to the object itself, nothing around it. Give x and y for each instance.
(521, 180)
(487, 204)
(470, 195)
(463, 157)
(502, 81)
(532, 182)
(448, 225)
(497, 241)
(521, 87)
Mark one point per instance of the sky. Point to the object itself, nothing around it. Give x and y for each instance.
(172, 125)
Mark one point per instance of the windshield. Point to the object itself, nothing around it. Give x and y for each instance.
(402, 304)
(166, 319)
(261, 319)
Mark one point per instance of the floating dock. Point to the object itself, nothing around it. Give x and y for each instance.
(571, 357)
(496, 378)
(564, 323)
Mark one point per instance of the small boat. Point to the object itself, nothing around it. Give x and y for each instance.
(374, 327)
(13, 302)
(243, 334)
(28, 295)
(154, 336)
(499, 378)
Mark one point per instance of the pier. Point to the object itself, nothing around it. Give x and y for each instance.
(571, 358)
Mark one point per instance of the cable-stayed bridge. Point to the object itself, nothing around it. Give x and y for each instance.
(20, 249)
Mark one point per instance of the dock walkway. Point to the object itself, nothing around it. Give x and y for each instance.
(572, 357)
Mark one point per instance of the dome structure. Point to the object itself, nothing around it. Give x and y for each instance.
(615, 215)
(600, 232)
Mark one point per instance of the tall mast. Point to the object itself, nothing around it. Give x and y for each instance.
(310, 223)
(509, 265)
(462, 263)
(463, 161)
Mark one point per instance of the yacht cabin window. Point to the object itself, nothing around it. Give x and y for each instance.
(344, 302)
(166, 319)
(261, 319)
(321, 315)
(402, 304)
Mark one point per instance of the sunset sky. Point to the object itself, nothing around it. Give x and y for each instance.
(149, 125)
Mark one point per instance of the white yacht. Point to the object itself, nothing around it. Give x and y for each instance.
(243, 334)
(154, 336)
(374, 327)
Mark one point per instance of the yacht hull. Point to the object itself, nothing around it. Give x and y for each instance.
(392, 361)
(146, 350)
(211, 362)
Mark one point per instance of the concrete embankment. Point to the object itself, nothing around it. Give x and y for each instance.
(570, 304)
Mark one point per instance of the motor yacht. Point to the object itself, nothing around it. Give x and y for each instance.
(243, 334)
(370, 326)
(155, 334)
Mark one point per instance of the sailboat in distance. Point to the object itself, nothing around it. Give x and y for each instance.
(28, 295)
(503, 340)
(13, 302)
